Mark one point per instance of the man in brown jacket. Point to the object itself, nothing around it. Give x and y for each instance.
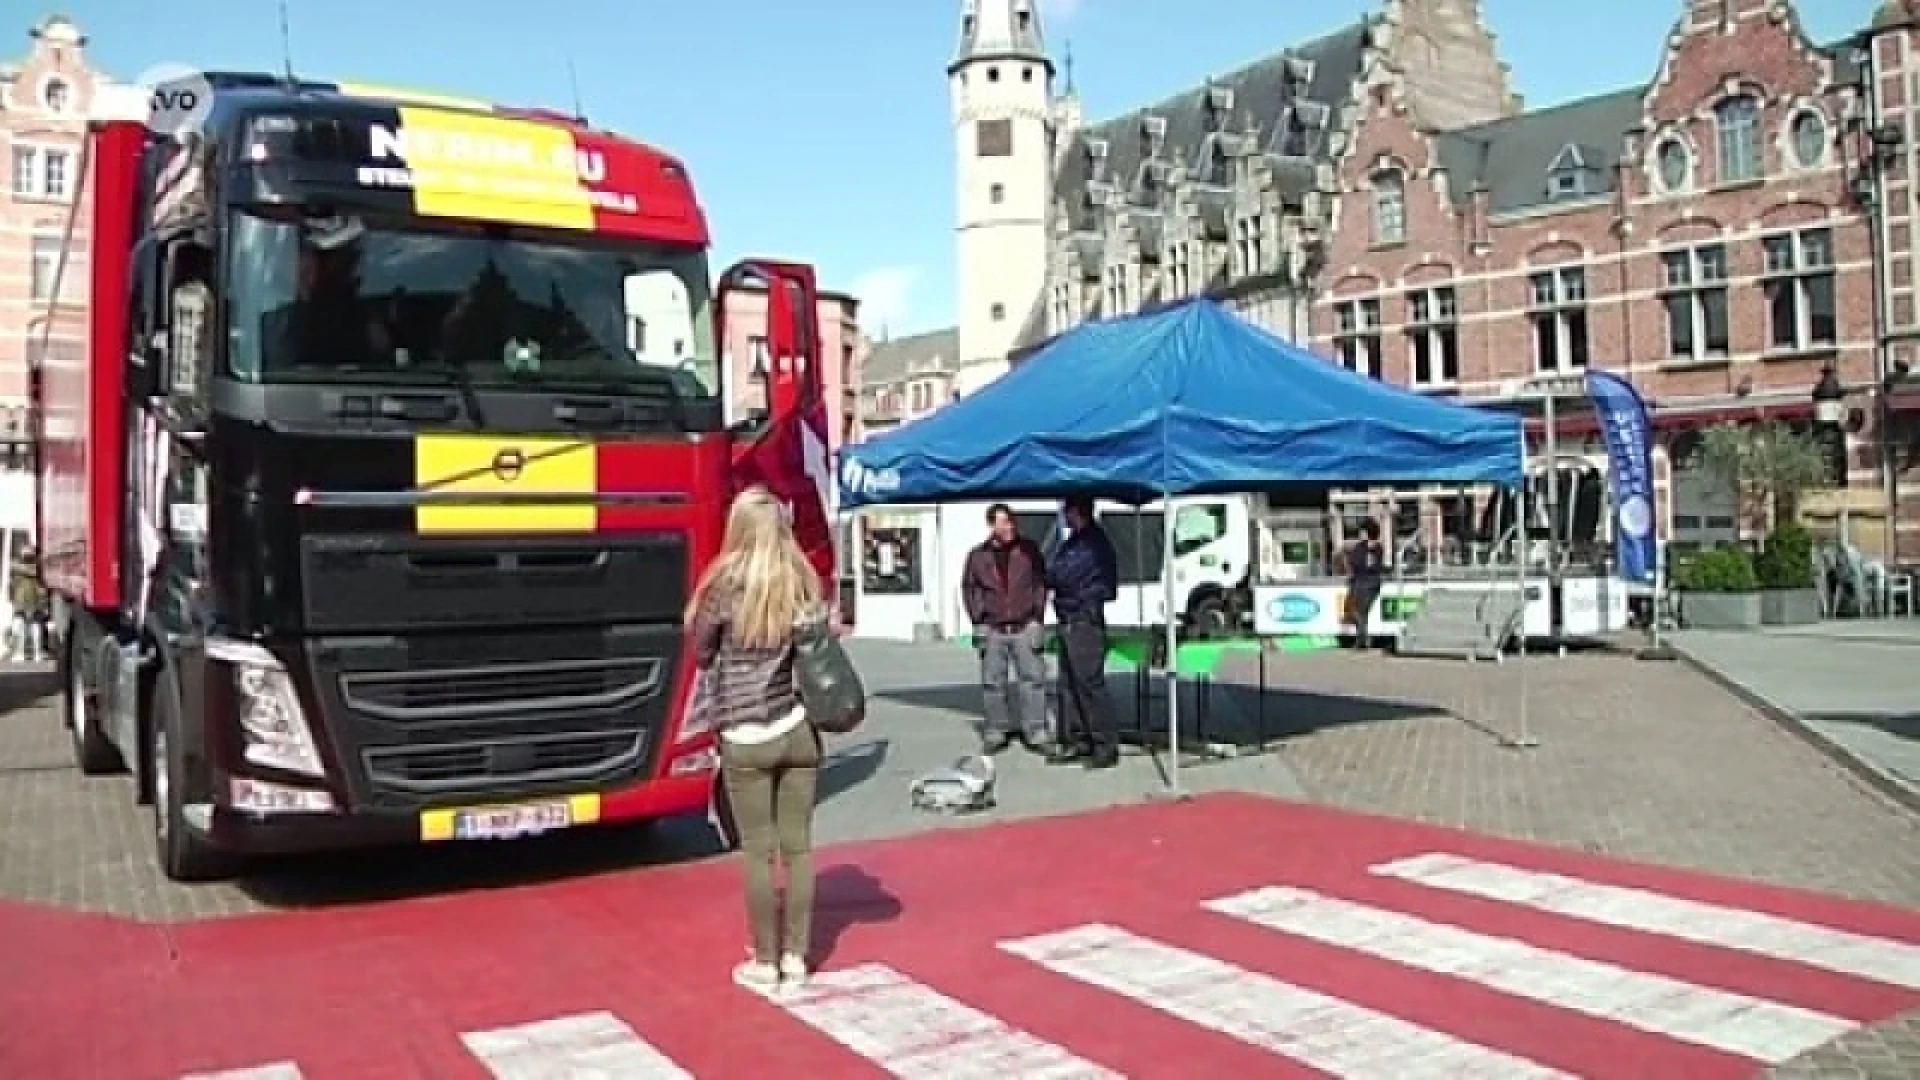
(1004, 587)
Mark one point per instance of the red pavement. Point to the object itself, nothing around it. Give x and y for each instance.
(387, 990)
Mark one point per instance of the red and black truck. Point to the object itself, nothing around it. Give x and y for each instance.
(369, 495)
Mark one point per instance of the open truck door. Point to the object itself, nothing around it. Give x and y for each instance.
(788, 452)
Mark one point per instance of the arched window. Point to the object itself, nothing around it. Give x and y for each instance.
(1389, 207)
(1737, 122)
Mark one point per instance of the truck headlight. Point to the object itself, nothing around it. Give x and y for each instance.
(272, 725)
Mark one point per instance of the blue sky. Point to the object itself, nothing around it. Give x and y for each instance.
(820, 130)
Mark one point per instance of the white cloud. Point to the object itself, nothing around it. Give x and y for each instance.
(885, 295)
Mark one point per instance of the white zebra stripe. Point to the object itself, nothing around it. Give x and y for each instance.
(1322, 1032)
(279, 1070)
(579, 1047)
(917, 1033)
(1880, 959)
(1763, 1030)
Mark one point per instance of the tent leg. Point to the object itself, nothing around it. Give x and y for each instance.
(1173, 649)
(1523, 739)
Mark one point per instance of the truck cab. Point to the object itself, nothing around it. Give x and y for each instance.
(371, 508)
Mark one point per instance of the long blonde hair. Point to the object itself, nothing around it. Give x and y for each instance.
(761, 564)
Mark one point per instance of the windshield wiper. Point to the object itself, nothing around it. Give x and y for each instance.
(644, 384)
(456, 375)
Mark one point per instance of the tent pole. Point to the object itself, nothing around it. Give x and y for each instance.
(1523, 739)
(1173, 646)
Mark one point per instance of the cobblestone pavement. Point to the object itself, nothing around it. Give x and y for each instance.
(1639, 760)
(80, 842)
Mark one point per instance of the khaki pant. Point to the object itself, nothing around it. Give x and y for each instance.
(771, 788)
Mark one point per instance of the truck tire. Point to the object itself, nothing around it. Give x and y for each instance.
(184, 855)
(92, 750)
(1207, 616)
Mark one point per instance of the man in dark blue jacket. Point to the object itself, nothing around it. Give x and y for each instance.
(1083, 577)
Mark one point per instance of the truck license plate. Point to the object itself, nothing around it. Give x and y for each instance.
(508, 822)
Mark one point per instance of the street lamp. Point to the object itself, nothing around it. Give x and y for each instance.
(1829, 423)
(1829, 399)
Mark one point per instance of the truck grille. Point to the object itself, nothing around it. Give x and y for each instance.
(462, 695)
(482, 715)
(429, 768)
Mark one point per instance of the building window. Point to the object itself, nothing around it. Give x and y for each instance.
(1559, 316)
(45, 267)
(1799, 284)
(993, 138)
(1433, 328)
(1695, 295)
(1117, 300)
(1389, 207)
(1249, 247)
(41, 172)
(1675, 165)
(58, 96)
(997, 193)
(1062, 307)
(1569, 176)
(998, 312)
(1737, 122)
(56, 174)
(1179, 269)
(26, 171)
(1808, 135)
(1357, 336)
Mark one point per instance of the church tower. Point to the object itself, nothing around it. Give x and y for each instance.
(1002, 85)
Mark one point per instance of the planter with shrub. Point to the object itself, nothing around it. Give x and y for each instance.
(1719, 590)
(1788, 596)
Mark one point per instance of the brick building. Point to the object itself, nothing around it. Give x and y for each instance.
(843, 349)
(1380, 194)
(43, 101)
(908, 377)
(1701, 234)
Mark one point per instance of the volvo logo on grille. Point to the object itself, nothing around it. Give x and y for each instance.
(509, 464)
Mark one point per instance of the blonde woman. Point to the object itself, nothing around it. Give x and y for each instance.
(742, 621)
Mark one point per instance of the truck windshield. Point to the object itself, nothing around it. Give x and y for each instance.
(339, 300)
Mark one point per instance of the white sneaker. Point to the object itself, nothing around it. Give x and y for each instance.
(758, 977)
(793, 971)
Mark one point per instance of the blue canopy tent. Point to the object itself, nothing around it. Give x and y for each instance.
(1186, 400)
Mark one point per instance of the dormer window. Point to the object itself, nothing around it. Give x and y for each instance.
(1573, 174)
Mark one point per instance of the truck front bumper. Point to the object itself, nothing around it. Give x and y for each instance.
(267, 819)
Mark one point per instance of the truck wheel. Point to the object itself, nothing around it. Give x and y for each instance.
(184, 854)
(1207, 616)
(92, 750)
